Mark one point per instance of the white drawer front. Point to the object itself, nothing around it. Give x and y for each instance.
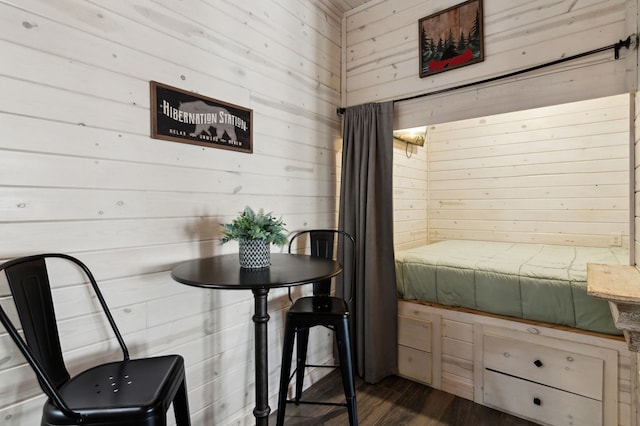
(550, 366)
(414, 333)
(414, 364)
(540, 403)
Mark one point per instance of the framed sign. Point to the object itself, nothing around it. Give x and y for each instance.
(181, 116)
(451, 38)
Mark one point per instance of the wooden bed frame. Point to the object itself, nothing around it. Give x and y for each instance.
(546, 373)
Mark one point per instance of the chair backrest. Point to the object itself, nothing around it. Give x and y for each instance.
(323, 243)
(30, 288)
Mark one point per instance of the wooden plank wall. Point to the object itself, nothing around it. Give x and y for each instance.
(410, 195)
(381, 57)
(555, 175)
(381, 63)
(79, 173)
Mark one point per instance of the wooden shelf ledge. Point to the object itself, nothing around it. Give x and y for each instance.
(620, 286)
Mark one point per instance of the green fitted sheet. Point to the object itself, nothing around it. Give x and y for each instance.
(532, 281)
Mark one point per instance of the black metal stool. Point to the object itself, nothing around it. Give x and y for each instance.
(320, 309)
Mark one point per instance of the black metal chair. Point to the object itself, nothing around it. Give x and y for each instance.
(128, 392)
(320, 309)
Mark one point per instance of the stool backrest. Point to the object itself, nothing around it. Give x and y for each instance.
(329, 244)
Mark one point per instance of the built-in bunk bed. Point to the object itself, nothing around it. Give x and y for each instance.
(510, 325)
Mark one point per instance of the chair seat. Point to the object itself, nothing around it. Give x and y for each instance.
(125, 393)
(132, 389)
(319, 305)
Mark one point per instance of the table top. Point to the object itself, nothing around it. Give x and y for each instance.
(224, 272)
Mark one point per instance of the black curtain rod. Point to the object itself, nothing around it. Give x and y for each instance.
(616, 46)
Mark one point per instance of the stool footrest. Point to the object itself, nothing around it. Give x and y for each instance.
(311, 365)
(322, 366)
(339, 404)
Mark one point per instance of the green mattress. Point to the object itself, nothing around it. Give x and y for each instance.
(532, 281)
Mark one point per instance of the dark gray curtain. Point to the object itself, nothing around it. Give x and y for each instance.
(366, 212)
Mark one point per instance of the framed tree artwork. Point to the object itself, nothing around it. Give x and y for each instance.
(451, 38)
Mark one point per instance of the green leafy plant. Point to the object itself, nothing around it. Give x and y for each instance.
(255, 226)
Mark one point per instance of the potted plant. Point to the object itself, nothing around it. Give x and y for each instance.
(255, 232)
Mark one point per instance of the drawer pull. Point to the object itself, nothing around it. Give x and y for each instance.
(537, 401)
(537, 363)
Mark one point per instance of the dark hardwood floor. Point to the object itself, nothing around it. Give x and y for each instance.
(394, 401)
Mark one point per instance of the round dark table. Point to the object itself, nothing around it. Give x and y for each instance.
(286, 270)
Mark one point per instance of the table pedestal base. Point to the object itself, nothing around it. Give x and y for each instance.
(260, 319)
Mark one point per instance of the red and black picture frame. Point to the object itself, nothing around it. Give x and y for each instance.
(451, 38)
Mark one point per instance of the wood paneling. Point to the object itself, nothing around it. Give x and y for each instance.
(409, 195)
(80, 174)
(381, 58)
(557, 174)
(550, 175)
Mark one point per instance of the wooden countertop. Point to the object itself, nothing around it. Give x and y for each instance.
(614, 282)
(620, 286)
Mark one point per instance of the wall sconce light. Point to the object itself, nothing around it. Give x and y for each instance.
(414, 135)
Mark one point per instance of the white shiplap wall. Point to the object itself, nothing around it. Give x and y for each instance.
(79, 173)
(381, 57)
(381, 63)
(410, 195)
(554, 175)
